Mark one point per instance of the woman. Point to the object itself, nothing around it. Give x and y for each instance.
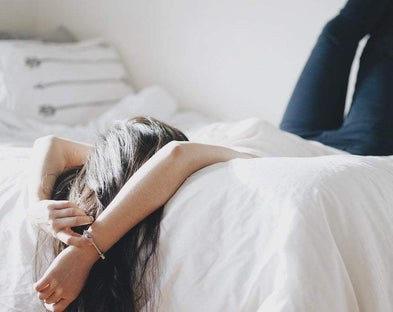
(315, 112)
(115, 184)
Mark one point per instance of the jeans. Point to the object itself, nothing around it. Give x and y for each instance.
(316, 108)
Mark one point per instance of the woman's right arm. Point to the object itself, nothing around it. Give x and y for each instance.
(51, 156)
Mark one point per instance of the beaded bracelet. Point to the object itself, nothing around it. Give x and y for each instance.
(90, 238)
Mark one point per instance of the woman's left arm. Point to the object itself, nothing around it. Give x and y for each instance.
(147, 190)
(51, 155)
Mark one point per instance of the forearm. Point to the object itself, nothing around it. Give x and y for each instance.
(152, 186)
(52, 155)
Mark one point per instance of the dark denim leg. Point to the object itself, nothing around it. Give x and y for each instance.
(318, 100)
(368, 128)
(370, 119)
(315, 110)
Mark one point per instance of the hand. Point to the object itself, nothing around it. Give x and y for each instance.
(64, 279)
(56, 217)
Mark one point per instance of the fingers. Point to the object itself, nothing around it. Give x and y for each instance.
(71, 238)
(61, 204)
(63, 209)
(41, 284)
(76, 221)
(60, 223)
(58, 306)
(47, 212)
(68, 212)
(61, 305)
(54, 297)
(46, 292)
(61, 217)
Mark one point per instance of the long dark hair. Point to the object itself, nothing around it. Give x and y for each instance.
(125, 281)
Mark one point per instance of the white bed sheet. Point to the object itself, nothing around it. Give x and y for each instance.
(305, 228)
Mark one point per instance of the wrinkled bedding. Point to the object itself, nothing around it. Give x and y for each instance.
(303, 228)
(281, 234)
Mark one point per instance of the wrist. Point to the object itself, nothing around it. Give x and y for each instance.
(86, 254)
(89, 236)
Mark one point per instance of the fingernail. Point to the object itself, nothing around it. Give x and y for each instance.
(92, 219)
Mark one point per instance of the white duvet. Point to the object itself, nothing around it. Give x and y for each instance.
(304, 228)
(281, 234)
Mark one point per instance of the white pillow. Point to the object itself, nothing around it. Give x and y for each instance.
(69, 83)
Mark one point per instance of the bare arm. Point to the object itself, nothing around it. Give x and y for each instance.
(51, 156)
(149, 188)
(153, 185)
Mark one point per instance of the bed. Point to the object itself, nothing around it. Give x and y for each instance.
(304, 227)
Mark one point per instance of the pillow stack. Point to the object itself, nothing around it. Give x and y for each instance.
(68, 83)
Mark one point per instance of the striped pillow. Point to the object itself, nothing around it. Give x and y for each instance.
(69, 83)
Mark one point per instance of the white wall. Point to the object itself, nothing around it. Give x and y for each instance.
(17, 15)
(229, 58)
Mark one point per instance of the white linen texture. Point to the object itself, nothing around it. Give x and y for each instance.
(66, 83)
(310, 232)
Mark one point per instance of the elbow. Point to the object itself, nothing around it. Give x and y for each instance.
(178, 161)
(178, 154)
(175, 150)
(48, 139)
